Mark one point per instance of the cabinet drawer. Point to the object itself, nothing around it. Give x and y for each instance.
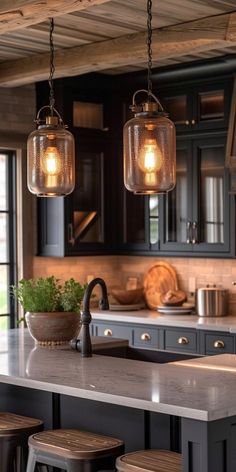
(115, 331)
(181, 340)
(146, 337)
(218, 344)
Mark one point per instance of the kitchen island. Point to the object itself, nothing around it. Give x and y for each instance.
(200, 392)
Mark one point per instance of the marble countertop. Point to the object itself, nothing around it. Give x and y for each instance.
(178, 389)
(149, 317)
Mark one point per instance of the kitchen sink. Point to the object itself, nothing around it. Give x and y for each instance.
(146, 355)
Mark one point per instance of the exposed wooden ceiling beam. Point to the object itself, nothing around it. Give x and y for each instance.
(169, 42)
(17, 14)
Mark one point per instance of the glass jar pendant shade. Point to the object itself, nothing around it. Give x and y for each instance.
(149, 151)
(149, 139)
(50, 148)
(50, 159)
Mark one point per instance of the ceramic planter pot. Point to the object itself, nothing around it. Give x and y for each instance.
(53, 328)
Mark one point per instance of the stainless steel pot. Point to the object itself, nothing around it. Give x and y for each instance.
(211, 301)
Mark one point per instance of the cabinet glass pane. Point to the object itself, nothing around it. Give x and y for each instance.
(88, 115)
(4, 256)
(212, 195)
(88, 199)
(211, 105)
(177, 108)
(154, 219)
(177, 202)
(134, 229)
(4, 284)
(3, 183)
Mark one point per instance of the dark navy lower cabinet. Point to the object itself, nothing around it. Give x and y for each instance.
(146, 337)
(181, 339)
(216, 342)
(168, 338)
(115, 330)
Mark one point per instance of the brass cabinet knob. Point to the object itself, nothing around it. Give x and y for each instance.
(219, 344)
(183, 340)
(145, 337)
(187, 122)
(193, 122)
(108, 332)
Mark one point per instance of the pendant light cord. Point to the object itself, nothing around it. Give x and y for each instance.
(149, 48)
(52, 67)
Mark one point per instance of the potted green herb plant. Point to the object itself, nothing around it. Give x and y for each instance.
(52, 309)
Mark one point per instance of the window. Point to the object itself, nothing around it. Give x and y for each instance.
(7, 238)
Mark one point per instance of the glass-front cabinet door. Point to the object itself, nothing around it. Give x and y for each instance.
(212, 213)
(176, 230)
(178, 105)
(87, 206)
(199, 107)
(135, 235)
(211, 104)
(87, 200)
(196, 214)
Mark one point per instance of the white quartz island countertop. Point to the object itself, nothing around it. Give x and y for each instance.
(150, 317)
(194, 389)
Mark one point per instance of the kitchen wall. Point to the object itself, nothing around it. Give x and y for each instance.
(115, 270)
(17, 114)
(16, 121)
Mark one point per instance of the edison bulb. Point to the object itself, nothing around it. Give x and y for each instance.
(52, 161)
(150, 159)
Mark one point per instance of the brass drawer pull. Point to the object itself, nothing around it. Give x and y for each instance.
(188, 232)
(145, 337)
(219, 344)
(108, 332)
(183, 340)
(187, 122)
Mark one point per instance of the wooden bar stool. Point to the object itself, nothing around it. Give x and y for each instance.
(14, 433)
(73, 450)
(151, 460)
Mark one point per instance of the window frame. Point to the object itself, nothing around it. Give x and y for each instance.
(11, 234)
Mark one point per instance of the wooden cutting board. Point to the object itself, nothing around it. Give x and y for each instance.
(157, 281)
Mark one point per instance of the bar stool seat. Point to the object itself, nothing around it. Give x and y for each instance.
(73, 450)
(14, 433)
(151, 460)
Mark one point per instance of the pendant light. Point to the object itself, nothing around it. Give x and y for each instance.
(149, 139)
(50, 148)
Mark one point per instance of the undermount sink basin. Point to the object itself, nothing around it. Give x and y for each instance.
(146, 355)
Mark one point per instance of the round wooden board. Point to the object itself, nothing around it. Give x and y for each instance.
(158, 280)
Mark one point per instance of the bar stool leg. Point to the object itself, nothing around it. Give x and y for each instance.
(18, 459)
(7, 455)
(31, 461)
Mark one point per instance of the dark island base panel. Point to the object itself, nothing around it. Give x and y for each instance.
(139, 429)
(209, 446)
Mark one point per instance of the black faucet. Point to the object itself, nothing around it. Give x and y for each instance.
(85, 345)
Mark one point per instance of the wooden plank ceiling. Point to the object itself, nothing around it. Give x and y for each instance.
(109, 35)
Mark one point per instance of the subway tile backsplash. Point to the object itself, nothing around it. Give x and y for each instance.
(115, 270)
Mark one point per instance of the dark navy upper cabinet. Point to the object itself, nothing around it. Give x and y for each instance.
(101, 216)
(198, 106)
(80, 223)
(197, 213)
